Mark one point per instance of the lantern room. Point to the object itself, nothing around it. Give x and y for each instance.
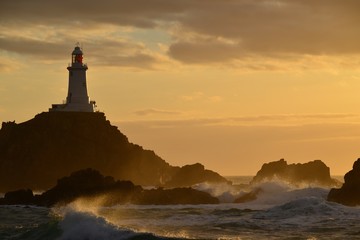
(77, 55)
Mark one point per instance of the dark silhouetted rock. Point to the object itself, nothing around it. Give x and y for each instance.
(34, 154)
(89, 184)
(189, 175)
(349, 193)
(19, 197)
(314, 172)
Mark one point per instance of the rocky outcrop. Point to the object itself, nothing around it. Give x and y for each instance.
(34, 154)
(189, 175)
(19, 197)
(89, 184)
(314, 172)
(349, 193)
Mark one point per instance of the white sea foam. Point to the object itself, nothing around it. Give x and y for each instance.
(313, 213)
(226, 193)
(271, 193)
(277, 193)
(85, 219)
(81, 220)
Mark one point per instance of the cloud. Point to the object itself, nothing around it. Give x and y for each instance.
(274, 120)
(122, 54)
(270, 29)
(204, 52)
(119, 53)
(299, 26)
(33, 47)
(297, 117)
(152, 111)
(202, 32)
(138, 13)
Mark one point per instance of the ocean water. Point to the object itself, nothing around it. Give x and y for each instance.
(279, 212)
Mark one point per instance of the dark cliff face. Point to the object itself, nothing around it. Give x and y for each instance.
(314, 172)
(34, 154)
(349, 193)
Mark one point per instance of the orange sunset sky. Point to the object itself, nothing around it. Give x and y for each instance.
(227, 83)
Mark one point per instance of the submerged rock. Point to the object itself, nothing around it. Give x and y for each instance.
(314, 172)
(349, 193)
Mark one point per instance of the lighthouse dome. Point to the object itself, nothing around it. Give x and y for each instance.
(77, 51)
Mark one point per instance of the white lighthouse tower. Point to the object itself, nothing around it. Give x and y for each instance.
(77, 99)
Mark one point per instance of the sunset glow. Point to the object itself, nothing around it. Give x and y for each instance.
(230, 84)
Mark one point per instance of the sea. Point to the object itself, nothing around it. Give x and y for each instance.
(281, 211)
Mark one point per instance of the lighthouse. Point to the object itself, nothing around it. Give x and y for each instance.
(77, 99)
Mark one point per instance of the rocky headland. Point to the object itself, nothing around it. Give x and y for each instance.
(349, 193)
(90, 184)
(35, 153)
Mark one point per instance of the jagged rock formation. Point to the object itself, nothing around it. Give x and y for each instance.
(34, 154)
(314, 172)
(349, 193)
(90, 184)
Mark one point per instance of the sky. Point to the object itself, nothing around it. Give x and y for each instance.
(231, 84)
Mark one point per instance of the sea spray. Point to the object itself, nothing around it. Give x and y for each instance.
(85, 225)
(271, 193)
(87, 219)
(226, 193)
(276, 193)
